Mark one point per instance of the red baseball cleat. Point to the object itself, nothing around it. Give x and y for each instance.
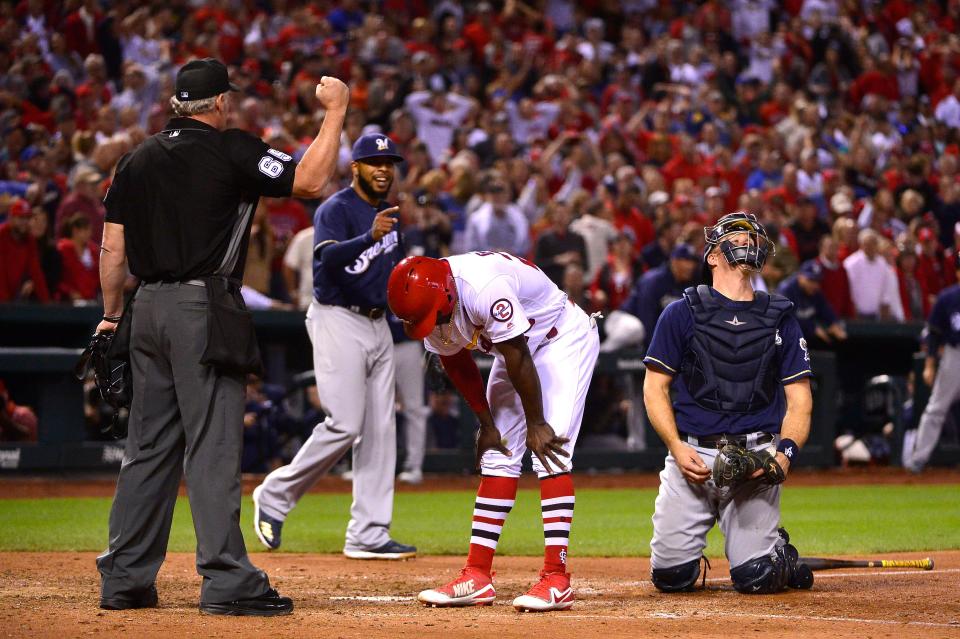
(552, 592)
(472, 587)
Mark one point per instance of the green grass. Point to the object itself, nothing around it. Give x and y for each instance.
(821, 520)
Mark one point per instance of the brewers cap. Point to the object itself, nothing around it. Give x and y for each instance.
(375, 145)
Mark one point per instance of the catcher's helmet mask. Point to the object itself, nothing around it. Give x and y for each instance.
(748, 256)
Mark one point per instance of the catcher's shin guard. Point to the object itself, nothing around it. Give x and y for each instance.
(680, 578)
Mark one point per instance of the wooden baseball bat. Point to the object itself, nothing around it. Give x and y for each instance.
(825, 563)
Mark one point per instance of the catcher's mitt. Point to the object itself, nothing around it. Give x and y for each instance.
(112, 376)
(734, 465)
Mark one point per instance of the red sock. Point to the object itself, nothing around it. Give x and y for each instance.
(556, 502)
(495, 498)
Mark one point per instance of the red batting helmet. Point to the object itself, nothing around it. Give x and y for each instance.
(420, 290)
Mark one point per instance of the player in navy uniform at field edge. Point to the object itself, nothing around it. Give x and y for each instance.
(356, 246)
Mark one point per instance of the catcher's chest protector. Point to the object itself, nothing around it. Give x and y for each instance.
(733, 363)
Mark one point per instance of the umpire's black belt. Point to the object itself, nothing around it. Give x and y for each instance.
(373, 312)
(748, 440)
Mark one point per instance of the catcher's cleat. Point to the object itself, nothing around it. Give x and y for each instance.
(267, 528)
(472, 587)
(799, 575)
(552, 592)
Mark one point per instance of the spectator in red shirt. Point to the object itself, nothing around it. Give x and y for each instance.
(626, 214)
(686, 164)
(21, 277)
(834, 284)
(914, 295)
(615, 280)
(930, 263)
(84, 199)
(80, 278)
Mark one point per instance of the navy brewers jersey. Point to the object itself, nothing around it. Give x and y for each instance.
(654, 291)
(349, 268)
(675, 330)
(810, 310)
(943, 326)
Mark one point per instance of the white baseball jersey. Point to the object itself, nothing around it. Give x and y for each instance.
(500, 296)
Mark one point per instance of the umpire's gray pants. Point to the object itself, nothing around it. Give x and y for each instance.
(946, 390)
(353, 363)
(184, 419)
(408, 357)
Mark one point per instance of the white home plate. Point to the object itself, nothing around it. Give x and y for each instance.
(383, 599)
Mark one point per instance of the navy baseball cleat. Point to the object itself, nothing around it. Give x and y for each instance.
(266, 527)
(145, 599)
(390, 550)
(269, 604)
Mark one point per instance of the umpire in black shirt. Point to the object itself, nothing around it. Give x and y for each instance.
(178, 215)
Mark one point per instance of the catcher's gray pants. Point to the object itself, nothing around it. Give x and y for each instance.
(184, 419)
(353, 363)
(408, 357)
(749, 515)
(946, 390)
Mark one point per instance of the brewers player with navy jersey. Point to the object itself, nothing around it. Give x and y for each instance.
(942, 332)
(356, 245)
(739, 368)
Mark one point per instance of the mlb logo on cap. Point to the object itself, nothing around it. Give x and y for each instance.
(375, 145)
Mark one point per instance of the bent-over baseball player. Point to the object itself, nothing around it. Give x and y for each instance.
(544, 349)
(739, 369)
(355, 248)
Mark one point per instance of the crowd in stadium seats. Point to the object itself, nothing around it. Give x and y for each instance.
(596, 138)
(590, 136)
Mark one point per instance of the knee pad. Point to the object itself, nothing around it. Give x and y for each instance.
(759, 576)
(680, 578)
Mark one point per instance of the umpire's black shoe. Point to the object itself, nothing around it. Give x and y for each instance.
(145, 599)
(269, 604)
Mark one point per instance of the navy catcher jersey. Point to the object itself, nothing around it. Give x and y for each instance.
(356, 272)
(675, 330)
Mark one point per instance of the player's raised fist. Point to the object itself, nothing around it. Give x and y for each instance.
(332, 93)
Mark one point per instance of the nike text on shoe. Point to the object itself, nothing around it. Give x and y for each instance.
(472, 587)
(266, 527)
(269, 604)
(390, 550)
(552, 592)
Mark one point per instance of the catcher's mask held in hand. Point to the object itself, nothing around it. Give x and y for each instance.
(112, 376)
(421, 290)
(750, 255)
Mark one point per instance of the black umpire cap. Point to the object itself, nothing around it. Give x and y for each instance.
(200, 79)
(375, 145)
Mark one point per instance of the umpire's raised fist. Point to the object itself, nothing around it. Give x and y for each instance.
(332, 93)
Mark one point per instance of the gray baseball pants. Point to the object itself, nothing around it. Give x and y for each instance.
(946, 390)
(185, 419)
(353, 364)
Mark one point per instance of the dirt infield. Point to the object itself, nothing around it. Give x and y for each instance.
(55, 595)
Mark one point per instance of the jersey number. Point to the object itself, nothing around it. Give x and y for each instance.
(509, 257)
(270, 167)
